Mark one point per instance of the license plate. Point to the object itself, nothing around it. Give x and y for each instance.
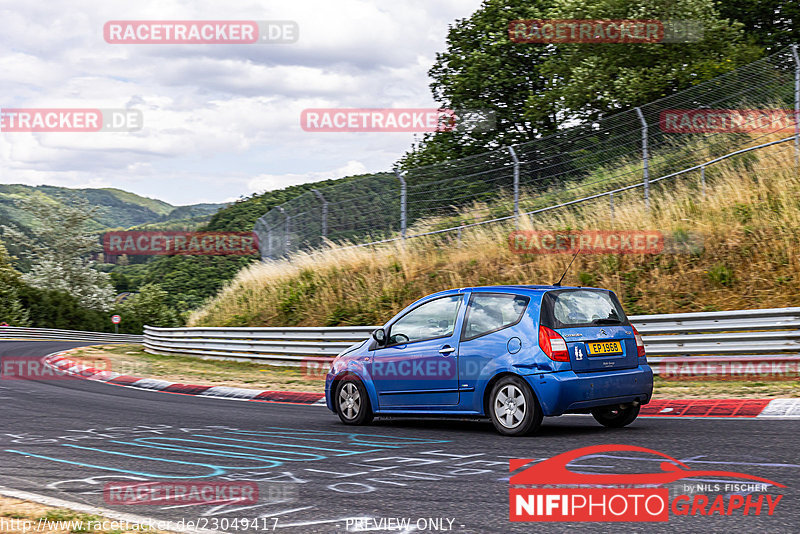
(605, 347)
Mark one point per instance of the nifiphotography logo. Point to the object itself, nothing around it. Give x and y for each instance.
(548, 491)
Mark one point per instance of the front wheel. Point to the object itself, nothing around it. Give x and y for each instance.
(513, 407)
(352, 402)
(616, 416)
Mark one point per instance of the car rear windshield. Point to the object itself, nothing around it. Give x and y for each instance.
(570, 308)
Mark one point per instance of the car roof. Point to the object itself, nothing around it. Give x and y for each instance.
(514, 289)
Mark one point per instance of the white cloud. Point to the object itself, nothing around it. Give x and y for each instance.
(220, 121)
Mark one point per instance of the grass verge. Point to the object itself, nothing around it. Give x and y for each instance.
(22, 517)
(131, 359)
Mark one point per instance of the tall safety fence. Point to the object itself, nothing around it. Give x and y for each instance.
(604, 161)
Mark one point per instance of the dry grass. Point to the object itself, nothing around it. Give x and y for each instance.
(749, 222)
(133, 360)
(725, 389)
(20, 517)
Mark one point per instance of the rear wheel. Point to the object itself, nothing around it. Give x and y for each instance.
(352, 402)
(513, 407)
(616, 416)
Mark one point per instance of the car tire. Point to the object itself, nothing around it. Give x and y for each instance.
(352, 402)
(615, 416)
(513, 407)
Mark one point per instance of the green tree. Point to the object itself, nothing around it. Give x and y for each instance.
(483, 69)
(772, 24)
(535, 89)
(60, 252)
(12, 311)
(149, 306)
(49, 308)
(591, 80)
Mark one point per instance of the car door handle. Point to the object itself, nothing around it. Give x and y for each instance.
(446, 350)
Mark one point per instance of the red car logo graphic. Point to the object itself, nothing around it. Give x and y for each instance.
(554, 470)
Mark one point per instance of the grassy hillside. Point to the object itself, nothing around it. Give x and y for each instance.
(115, 208)
(242, 214)
(749, 222)
(190, 280)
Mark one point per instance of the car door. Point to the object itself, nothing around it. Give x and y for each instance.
(489, 334)
(418, 368)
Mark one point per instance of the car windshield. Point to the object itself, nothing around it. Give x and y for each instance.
(568, 308)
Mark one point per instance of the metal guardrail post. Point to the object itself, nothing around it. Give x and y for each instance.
(324, 212)
(703, 180)
(287, 242)
(516, 185)
(796, 104)
(403, 202)
(611, 202)
(645, 158)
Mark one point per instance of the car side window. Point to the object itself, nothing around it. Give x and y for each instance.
(489, 312)
(435, 318)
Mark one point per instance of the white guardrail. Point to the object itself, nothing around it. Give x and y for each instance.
(16, 332)
(741, 341)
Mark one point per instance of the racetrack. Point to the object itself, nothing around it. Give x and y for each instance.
(66, 438)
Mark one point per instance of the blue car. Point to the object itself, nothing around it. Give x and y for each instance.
(511, 353)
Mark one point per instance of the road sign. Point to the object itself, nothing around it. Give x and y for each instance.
(116, 319)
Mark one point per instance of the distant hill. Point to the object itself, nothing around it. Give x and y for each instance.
(115, 208)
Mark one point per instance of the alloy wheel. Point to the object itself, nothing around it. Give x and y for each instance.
(349, 400)
(509, 406)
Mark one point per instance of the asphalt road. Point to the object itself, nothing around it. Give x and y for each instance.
(68, 438)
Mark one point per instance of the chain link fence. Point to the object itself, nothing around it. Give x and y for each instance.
(622, 154)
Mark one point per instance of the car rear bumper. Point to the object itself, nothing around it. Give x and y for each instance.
(567, 391)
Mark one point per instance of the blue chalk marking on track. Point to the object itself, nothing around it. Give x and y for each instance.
(343, 451)
(324, 440)
(291, 432)
(106, 468)
(377, 443)
(276, 460)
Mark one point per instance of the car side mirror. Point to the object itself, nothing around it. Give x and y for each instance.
(379, 335)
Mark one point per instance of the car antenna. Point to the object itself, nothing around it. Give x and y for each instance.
(558, 284)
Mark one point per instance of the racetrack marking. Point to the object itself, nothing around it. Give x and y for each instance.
(369, 474)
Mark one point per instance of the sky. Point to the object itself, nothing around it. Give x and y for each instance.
(219, 121)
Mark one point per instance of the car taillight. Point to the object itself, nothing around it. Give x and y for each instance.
(639, 343)
(553, 344)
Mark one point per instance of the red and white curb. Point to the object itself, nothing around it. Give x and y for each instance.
(61, 364)
(727, 408)
(685, 408)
